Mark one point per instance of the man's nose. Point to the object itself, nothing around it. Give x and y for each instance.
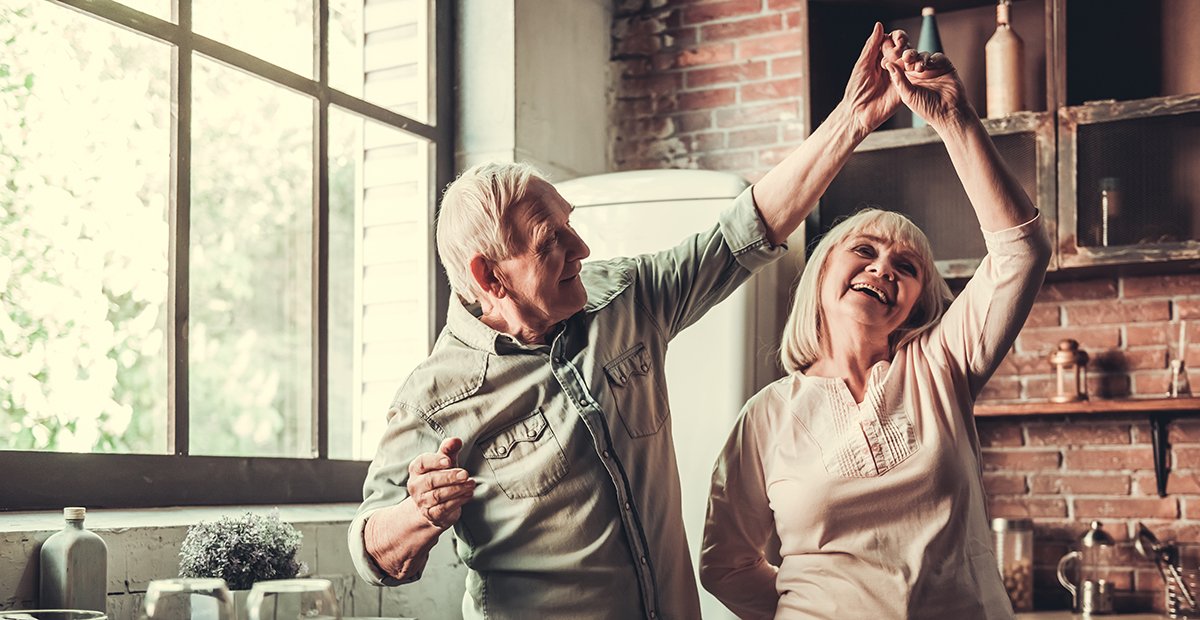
(579, 248)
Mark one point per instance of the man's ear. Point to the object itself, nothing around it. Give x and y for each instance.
(483, 271)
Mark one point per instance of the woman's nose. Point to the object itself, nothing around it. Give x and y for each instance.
(882, 269)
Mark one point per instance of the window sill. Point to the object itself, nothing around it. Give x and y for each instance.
(123, 519)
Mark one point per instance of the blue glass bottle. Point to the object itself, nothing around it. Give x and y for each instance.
(931, 42)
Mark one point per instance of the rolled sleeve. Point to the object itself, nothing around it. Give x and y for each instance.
(363, 563)
(746, 234)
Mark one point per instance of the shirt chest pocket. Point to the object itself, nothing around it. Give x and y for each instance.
(525, 458)
(636, 384)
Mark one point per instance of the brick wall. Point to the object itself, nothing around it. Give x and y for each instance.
(710, 84)
(717, 84)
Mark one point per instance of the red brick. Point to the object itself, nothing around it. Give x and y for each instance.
(1161, 285)
(1001, 388)
(1099, 386)
(1128, 508)
(774, 45)
(783, 5)
(637, 46)
(632, 67)
(759, 114)
(1152, 334)
(1044, 315)
(1078, 290)
(720, 10)
(1188, 308)
(689, 122)
(656, 84)
(727, 161)
(1150, 383)
(1186, 457)
(1145, 358)
(1109, 459)
(705, 55)
(646, 127)
(754, 137)
(773, 89)
(707, 99)
(1184, 431)
(707, 142)
(1083, 434)
(999, 433)
(795, 19)
(1074, 484)
(1020, 460)
(788, 65)
(1178, 483)
(1045, 339)
(1019, 508)
(1004, 484)
(739, 72)
(742, 28)
(1123, 311)
(1025, 364)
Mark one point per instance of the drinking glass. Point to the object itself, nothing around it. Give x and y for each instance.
(1186, 558)
(51, 614)
(188, 598)
(292, 599)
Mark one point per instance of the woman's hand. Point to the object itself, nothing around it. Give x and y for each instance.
(929, 85)
(869, 97)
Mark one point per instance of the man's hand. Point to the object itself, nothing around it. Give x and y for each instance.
(871, 99)
(438, 488)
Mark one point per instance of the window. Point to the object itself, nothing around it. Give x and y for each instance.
(215, 243)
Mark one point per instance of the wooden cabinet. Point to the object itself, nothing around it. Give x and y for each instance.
(1109, 148)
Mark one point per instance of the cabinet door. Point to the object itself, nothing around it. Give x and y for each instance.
(1129, 179)
(909, 171)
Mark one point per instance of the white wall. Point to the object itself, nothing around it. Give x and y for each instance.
(534, 84)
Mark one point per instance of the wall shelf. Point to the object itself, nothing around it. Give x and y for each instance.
(1132, 405)
(1159, 410)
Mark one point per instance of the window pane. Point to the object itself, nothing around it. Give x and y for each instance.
(277, 31)
(379, 274)
(387, 61)
(84, 152)
(250, 341)
(158, 8)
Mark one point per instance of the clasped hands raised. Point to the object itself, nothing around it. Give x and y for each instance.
(889, 72)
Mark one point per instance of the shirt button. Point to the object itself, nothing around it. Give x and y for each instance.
(531, 433)
(501, 450)
(653, 614)
(643, 559)
(627, 506)
(645, 367)
(606, 454)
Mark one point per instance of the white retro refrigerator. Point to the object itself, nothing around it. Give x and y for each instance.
(715, 365)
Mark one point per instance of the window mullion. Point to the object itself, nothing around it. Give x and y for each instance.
(320, 323)
(178, 297)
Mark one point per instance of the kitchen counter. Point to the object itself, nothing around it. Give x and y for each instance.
(1066, 615)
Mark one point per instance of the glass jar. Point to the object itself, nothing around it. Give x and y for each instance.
(1013, 541)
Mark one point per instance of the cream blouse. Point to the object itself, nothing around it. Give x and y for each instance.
(822, 507)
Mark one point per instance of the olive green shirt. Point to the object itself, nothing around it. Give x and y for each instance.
(577, 508)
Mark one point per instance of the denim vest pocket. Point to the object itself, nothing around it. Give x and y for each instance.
(636, 386)
(525, 458)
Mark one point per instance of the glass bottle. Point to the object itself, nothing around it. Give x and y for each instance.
(1005, 56)
(1013, 539)
(930, 41)
(74, 567)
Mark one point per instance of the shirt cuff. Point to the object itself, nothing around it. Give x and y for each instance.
(1014, 240)
(363, 562)
(746, 234)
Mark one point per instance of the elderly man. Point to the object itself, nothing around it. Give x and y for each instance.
(538, 427)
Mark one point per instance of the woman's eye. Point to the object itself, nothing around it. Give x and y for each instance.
(864, 250)
(908, 269)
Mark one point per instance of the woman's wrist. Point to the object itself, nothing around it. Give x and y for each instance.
(958, 122)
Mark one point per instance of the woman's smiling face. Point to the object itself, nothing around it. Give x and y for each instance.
(872, 281)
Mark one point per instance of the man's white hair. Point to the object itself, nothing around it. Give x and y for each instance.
(807, 331)
(472, 219)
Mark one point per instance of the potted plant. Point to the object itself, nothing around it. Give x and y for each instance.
(241, 550)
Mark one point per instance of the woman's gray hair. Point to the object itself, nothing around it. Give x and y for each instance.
(472, 219)
(805, 333)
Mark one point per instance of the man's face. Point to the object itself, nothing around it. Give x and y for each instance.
(870, 281)
(542, 275)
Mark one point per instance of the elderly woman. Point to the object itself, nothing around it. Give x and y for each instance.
(851, 488)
